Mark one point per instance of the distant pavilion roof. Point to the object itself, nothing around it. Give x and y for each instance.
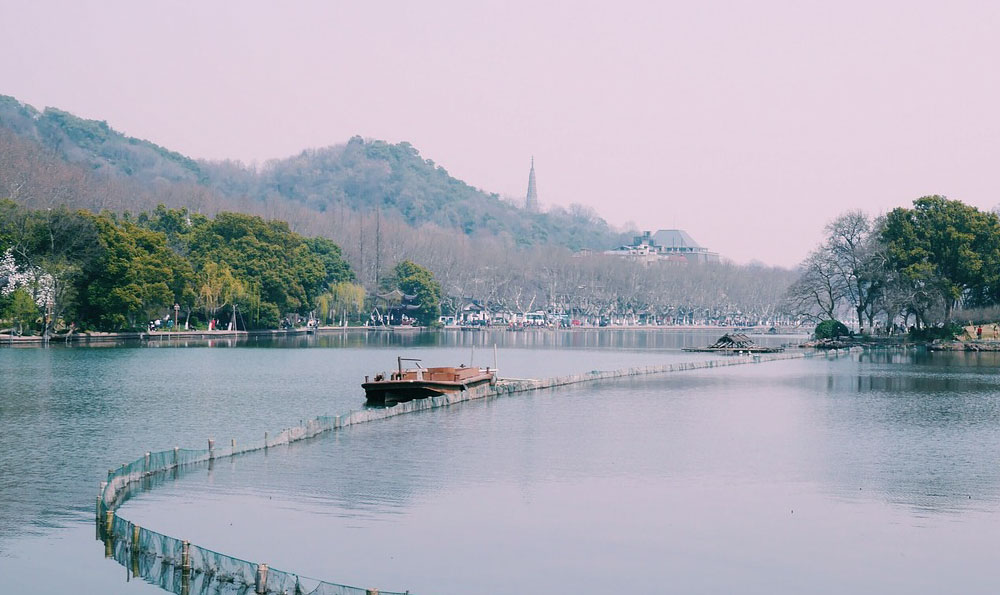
(674, 238)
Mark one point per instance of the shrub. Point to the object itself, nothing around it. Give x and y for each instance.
(945, 332)
(829, 329)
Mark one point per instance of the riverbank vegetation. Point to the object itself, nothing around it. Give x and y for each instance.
(118, 272)
(912, 268)
(365, 202)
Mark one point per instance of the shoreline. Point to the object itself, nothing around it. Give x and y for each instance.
(97, 337)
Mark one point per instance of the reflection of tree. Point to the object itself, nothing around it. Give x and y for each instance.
(919, 429)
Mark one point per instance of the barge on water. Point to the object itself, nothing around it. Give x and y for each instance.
(419, 383)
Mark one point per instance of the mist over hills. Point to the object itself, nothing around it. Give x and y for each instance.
(358, 176)
(381, 203)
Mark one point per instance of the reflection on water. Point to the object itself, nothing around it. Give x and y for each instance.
(688, 480)
(800, 469)
(563, 339)
(70, 413)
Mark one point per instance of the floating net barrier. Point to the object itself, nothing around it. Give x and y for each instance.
(180, 567)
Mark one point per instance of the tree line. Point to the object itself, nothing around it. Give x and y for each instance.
(48, 162)
(112, 271)
(912, 267)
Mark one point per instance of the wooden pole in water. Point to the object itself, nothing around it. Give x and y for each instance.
(496, 368)
(265, 440)
(100, 498)
(261, 586)
(211, 448)
(186, 556)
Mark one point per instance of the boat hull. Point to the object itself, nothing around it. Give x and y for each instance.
(400, 391)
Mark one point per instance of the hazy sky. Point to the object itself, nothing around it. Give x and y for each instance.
(749, 124)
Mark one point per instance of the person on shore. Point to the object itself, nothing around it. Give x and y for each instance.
(979, 332)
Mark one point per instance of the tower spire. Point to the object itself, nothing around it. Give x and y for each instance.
(531, 200)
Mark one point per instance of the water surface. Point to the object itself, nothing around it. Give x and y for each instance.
(69, 413)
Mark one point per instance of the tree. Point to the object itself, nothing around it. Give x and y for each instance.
(337, 269)
(52, 246)
(136, 276)
(20, 310)
(218, 288)
(275, 265)
(344, 298)
(413, 279)
(946, 248)
(855, 258)
(819, 291)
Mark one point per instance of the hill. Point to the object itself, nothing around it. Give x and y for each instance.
(360, 176)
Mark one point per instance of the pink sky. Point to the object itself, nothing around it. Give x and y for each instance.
(749, 124)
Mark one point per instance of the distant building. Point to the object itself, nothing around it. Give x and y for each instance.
(670, 245)
(531, 200)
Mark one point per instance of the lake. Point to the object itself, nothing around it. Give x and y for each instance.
(872, 471)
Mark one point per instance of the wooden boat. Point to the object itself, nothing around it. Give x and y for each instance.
(419, 383)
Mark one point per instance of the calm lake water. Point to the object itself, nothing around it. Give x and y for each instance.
(874, 472)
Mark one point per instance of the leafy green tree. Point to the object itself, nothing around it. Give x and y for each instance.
(56, 244)
(176, 224)
(19, 310)
(337, 269)
(413, 279)
(946, 248)
(136, 276)
(267, 258)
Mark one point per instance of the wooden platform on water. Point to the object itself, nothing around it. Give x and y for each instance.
(735, 343)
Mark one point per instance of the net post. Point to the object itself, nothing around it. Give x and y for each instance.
(211, 449)
(100, 498)
(232, 446)
(145, 463)
(176, 456)
(186, 556)
(261, 586)
(371, 591)
(109, 519)
(265, 440)
(135, 538)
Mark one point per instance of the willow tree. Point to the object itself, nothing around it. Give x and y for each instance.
(218, 287)
(344, 297)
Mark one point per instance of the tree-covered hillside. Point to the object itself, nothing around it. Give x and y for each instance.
(359, 176)
(96, 145)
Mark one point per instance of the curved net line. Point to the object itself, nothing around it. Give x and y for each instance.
(178, 566)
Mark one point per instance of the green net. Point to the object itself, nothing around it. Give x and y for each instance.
(178, 567)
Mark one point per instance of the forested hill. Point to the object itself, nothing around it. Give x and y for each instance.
(96, 145)
(358, 176)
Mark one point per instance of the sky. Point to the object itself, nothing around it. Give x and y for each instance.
(748, 124)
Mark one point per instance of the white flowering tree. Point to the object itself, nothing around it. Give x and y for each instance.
(38, 284)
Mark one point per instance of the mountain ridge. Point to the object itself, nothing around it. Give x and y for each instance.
(360, 175)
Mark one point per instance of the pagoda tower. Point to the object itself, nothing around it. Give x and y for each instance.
(531, 200)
